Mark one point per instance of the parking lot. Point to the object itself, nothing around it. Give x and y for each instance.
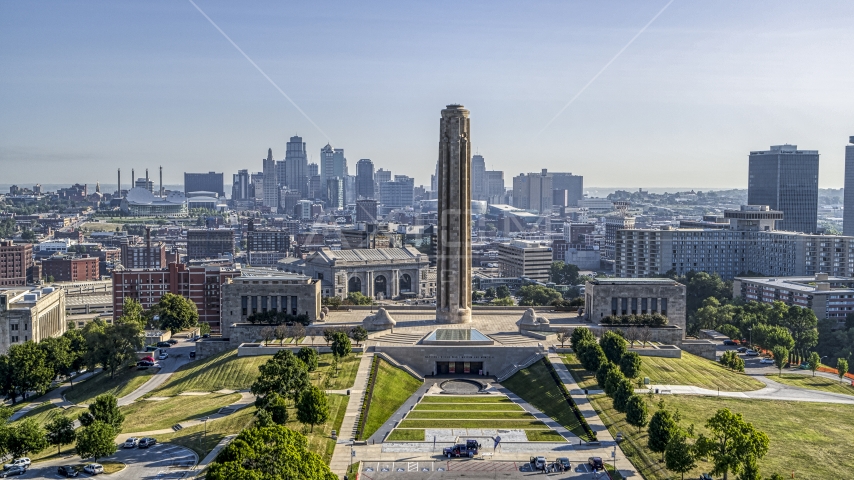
(470, 469)
(162, 461)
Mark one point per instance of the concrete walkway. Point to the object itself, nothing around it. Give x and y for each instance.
(341, 456)
(602, 434)
(54, 396)
(210, 457)
(167, 368)
(772, 391)
(549, 421)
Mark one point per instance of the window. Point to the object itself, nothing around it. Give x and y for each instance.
(244, 300)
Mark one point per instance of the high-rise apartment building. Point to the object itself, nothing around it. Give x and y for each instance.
(16, 263)
(313, 169)
(332, 163)
(381, 176)
(786, 179)
(365, 178)
(533, 192)
(335, 195)
(848, 201)
(270, 185)
(495, 186)
(69, 268)
(521, 258)
(204, 182)
(478, 178)
(296, 160)
(399, 193)
(257, 187)
(240, 185)
(209, 243)
(143, 256)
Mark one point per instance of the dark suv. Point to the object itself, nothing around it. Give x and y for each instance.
(67, 471)
(164, 344)
(595, 463)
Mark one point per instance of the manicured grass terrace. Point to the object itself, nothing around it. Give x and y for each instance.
(392, 388)
(124, 382)
(145, 415)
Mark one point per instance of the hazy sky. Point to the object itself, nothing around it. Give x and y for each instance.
(86, 87)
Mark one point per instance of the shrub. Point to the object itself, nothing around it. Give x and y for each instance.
(652, 320)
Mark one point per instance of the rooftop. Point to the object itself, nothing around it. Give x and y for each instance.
(631, 281)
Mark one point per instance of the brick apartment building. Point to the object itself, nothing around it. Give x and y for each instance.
(144, 256)
(67, 268)
(201, 284)
(16, 263)
(209, 243)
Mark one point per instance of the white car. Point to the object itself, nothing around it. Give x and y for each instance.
(767, 360)
(94, 468)
(21, 462)
(163, 356)
(131, 442)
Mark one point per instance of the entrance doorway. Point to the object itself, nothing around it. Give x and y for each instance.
(459, 368)
(380, 286)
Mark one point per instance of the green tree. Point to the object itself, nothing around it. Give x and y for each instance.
(356, 298)
(313, 408)
(358, 334)
(57, 351)
(630, 364)
(802, 323)
(175, 313)
(750, 469)
(277, 406)
(284, 374)
(730, 441)
(562, 336)
(637, 414)
(730, 331)
(503, 302)
(132, 311)
(603, 371)
(60, 431)
(269, 453)
(613, 377)
(503, 291)
(96, 440)
(841, 367)
(591, 356)
(26, 437)
(614, 346)
(781, 356)
(624, 391)
(28, 369)
(814, 362)
(341, 346)
(309, 357)
(490, 292)
(679, 455)
(104, 409)
(770, 336)
(564, 273)
(77, 350)
(662, 427)
(580, 334)
(534, 295)
(112, 346)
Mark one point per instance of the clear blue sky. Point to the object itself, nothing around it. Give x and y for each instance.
(86, 87)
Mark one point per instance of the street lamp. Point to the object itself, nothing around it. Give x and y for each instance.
(206, 433)
(750, 329)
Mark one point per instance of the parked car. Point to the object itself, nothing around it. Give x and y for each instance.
(20, 462)
(564, 463)
(206, 335)
(163, 356)
(741, 349)
(145, 363)
(130, 442)
(172, 341)
(94, 468)
(595, 463)
(730, 343)
(164, 344)
(539, 463)
(13, 470)
(67, 471)
(752, 353)
(468, 449)
(193, 354)
(147, 442)
(767, 360)
(150, 348)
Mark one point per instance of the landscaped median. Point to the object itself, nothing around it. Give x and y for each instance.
(388, 388)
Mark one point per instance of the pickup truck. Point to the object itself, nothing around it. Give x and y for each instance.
(468, 449)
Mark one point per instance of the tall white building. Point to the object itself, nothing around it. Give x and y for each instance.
(296, 165)
(332, 163)
(479, 184)
(270, 185)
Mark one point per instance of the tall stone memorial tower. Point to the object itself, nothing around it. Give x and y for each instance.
(453, 303)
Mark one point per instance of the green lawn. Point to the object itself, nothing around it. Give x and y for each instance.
(124, 382)
(466, 399)
(536, 386)
(195, 438)
(320, 441)
(223, 371)
(531, 423)
(483, 407)
(45, 412)
(469, 414)
(346, 375)
(814, 383)
(406, 435)
(813, 439)
(144, 415)
(391, 389)
(582, 377)
(544, 436)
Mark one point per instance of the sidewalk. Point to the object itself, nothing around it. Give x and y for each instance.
(54, 396)
(341, 456)
(549, 421)
(602, 434)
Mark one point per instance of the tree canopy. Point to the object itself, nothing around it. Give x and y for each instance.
(175, 313)
(564, 273)
(535, 295)
(731, 441)
(284, 374)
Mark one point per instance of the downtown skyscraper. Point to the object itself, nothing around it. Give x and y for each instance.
(296, 166)
(786, 179)
(365, 178)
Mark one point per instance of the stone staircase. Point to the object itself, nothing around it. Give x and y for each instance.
(509, 371)
(512, 338)
(404, 338)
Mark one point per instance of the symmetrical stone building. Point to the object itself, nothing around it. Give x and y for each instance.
(267, 290)
(373, 272)
(604, 297)
(453, 299)
(30, 315)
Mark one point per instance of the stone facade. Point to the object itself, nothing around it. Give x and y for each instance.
(374, 272)
(626, 296)
(453, 302)
(423, 358)
(30, 315)
(261, 290)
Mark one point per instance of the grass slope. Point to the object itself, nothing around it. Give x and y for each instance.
(195, 438)
(531, 423)
(406, 435)
(536, 386)
(482, 407)
(584, 379)
(346, 375)
(46, 412)
(223, 371)
(123, 383)
(814, 383)
(471, 415)
(813, 439)
(320, 441)
(393, 386)
(446, 399)
(144, 415)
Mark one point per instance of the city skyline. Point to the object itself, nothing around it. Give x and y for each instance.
(157, 84)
